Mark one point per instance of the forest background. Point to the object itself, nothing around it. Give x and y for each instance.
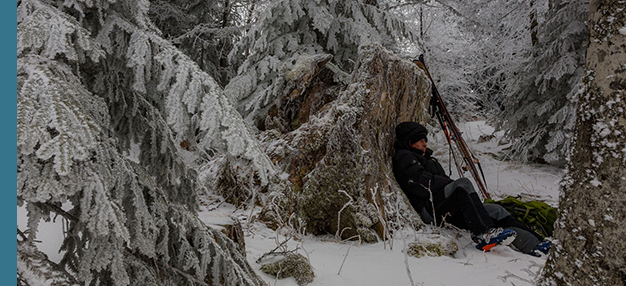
(125, 107)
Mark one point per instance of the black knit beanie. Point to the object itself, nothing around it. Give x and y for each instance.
(411, 131)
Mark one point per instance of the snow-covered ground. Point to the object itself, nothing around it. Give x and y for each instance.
(384, 263)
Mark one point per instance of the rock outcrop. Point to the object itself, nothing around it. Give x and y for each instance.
(332, 135)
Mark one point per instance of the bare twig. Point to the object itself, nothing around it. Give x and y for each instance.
(467, 263)
(535, 274)
(525, 187)
(449, 225)
(277, 253)
(219, 203)
(280, 270)
(341, 233)
(308, 259)
(443, 220)
(344, 258)
(21, 234)
(432, 203)
(58, 210)
(273, 251)
(338, 234)
(511, 275)
(406, 259)
(354, 236)
(498, 178)
(379, 212)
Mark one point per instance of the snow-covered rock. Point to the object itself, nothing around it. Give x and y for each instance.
(335, 142)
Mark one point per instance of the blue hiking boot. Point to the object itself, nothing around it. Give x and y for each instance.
(493, 237)
(541, 249)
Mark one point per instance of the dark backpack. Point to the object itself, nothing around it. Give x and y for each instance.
(537, 215)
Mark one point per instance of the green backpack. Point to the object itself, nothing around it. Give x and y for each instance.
(537, 215)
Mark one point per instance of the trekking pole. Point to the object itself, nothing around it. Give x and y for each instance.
(442, 122)
(453, 134)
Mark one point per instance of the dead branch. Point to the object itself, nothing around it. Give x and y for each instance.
(274, 251)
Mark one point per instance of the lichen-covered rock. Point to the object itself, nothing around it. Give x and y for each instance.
(308, 87)
(293, 265)
(434, 247)
(334, 141)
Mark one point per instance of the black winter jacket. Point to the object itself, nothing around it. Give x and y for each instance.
(416, 172)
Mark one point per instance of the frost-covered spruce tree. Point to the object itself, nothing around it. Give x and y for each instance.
(500, 46)
(290, 28)
(538, 114)
(446, 50)
(203, 30)
(591, 226)
(471, 48)
(104, 109)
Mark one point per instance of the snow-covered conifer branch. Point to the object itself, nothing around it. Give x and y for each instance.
(131, 208)
(45, 30)
(290, 28)
(51, 122)
(194, 102)
(34, 268)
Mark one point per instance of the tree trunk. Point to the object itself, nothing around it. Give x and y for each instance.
(591, 228)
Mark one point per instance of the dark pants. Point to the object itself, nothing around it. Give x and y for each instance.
(460, 206)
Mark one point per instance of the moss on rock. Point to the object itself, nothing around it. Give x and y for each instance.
(434, 248)
(293, 265)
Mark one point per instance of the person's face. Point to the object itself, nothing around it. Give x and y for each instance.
(420, 145)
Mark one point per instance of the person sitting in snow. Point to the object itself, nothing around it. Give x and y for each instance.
(423, 180)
